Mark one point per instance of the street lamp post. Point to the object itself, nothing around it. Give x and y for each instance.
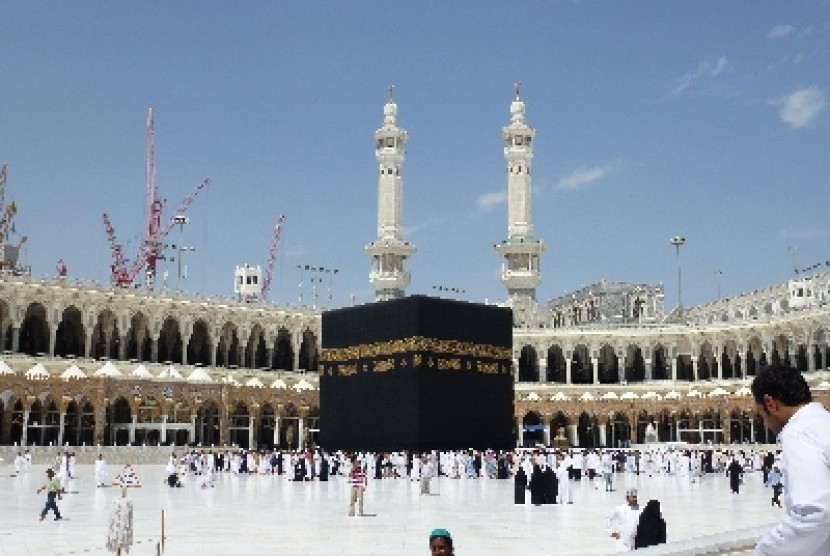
(718, 277)
(677, 241)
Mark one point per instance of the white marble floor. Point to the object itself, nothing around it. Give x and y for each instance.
(266, 514)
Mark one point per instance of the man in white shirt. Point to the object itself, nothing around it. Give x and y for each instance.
(622, 522)
(803, 427)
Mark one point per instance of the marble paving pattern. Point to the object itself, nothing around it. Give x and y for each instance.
(270, 515)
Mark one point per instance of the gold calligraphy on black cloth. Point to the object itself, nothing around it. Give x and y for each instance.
(416, 353)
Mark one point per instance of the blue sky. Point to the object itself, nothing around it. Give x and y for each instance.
(708, 120)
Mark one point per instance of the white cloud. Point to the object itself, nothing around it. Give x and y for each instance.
(800, 108)
(704, 70)
(489, 201)
(583, 176)
(780, 31)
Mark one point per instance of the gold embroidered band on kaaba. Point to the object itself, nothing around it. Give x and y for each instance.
(417, 351)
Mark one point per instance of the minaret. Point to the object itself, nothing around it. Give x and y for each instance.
(389, 252)
(520, 272)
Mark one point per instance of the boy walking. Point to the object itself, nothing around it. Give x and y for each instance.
(53, 492)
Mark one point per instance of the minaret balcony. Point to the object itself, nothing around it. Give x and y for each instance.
(390, 247)
(522, 245)
(521, 279)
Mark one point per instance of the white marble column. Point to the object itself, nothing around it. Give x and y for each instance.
(163, 435)
(694, 368)
(595, 370)
(276, 432)
(300, 433)
(568, 363)
(251, 423)
(543, 370)
(674, 369)
(61, 422)
(132, 428)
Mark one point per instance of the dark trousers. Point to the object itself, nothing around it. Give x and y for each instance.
(51, 504)
(776, 492)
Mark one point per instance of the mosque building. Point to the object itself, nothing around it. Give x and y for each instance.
(90, 364)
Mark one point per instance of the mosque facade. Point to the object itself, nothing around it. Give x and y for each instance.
(603, 366)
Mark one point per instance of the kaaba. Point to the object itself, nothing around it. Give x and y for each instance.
(416, 373)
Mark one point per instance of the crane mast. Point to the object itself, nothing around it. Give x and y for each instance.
(272, 257)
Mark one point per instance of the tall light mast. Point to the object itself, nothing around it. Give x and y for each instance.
(521, 272)
(389, 252)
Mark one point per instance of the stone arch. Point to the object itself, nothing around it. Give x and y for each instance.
(267, 423)
(730, 360)
(239, 423)
(819, 338)
(139, 344)
(6, 328)
(79, 422)
(256, 349)
(208, 424)
(227, 352)
(528, 364)
(70, 338)
(683, 359)
(660, 366)
(533, 430)
(556, 365)
(308, 351)
(105, 336)
(34, 331)
(120, 418)
(608, 365)
(170, 341)
(582, 371)
(199, 346)
(43, 427)
(635, 365)
(618, 431)
(780, 350)
(740, 426)
(16, 423)
(559, 423)
(283, 351)
(587, 432)
(706, 362)
(754, 356)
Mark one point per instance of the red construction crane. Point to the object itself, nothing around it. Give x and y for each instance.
(272, 257)
(152, 248)
(119, 271)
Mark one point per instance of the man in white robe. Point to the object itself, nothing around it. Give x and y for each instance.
(623, 520)
(803, 428)
(565, 493)
(100, 471)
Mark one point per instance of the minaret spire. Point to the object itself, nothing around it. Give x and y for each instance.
(521, 272)
(389, 252)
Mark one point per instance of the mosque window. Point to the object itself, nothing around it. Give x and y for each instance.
(380, 143)
(390, 141)
(528, 140)
(518, 140)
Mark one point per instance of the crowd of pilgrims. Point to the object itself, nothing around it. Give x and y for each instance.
(538, 470)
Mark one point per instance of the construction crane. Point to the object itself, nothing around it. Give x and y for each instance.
(272, 257)
(119, 271)
(151, 250)
(10, 253)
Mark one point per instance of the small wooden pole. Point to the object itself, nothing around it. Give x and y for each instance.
(162, 531)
